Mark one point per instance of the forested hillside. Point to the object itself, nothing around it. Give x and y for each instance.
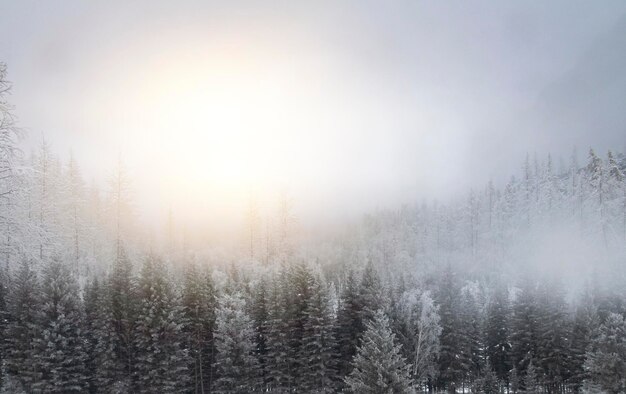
(511, 288)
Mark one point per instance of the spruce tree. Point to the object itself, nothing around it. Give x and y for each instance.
(553, 331)
(261, 319)
(318, 341)
(426, 341)
(161, 361)
(3, 316)
(234, 340)
(199, 302)
(378, 366)
(606, 358)
(523, 326)
(489, 382)
(497, 338)
(277, 362)
(123, 303)
(531, 380)
(23, 329)
(349, 326)
(584, 325)
(452, 362)
(101, 364)
(61, 346)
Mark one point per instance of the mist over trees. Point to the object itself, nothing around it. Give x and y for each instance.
(518, 288)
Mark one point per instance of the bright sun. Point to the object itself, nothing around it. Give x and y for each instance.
(215, 128)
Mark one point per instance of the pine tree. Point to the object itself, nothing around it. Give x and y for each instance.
(426, 341)
(378, 365)
(297, 293)
(61, 346)
(585, 323)
(101, 366)
(371, 294)
(497, 338)
(14, 227)
(261, 319)
(199, 303)
(123, 301)
(452, 363)
(161, 362)
(318, 342)
(531, 380)
(234, 341)
(606, 358)
(523, 332)
(470, 330)
(277, 362)
(349, 325)
(3, 316)
(514, 381)
(489, 382)
(23, 328)
(553, 330)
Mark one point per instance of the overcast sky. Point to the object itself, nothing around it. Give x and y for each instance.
(379, 103)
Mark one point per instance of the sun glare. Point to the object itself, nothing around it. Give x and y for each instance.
(216, 129)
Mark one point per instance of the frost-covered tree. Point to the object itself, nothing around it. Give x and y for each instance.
(318, 342)
(426, 341)
(99, 335)
(523, 325)
(13, 193)
(497, 336)
(61, 344)
(234, 340)
(23, 328)
(161, 362)
(123, 300)
(489, 382)
(531, 380)
(606, 358)
(349, 325)
(453, 360)
(378, 365)
(199, 303)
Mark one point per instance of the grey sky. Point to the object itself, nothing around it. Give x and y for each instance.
(450, 94)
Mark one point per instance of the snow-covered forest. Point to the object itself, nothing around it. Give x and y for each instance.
(510, 288)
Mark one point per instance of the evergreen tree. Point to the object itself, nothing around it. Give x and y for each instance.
(297, 293)
(585, 323)
(497, 338)
(426, 341)
(514, 381)
(371, 294)
(531, 379)
(277, 365)
(261, 319)
(378, 365)
(3, 316)
(61, 346)
(523, 332)
(349, 325)
(489, 382)
(553, 331)
(318, 342)
(234, 341)
(452, 362)
(161, 362)
(470, 332)
(606, 358)
(123, 301)
(101, 367)
(23, 328)
(199, 303)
